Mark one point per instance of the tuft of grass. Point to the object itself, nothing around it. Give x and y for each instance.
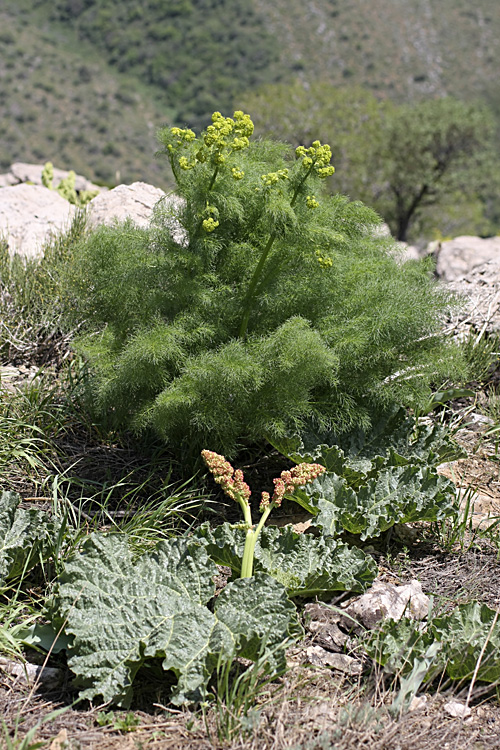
(241, 692)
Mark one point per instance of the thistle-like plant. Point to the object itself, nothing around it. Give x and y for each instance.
(256, 305)
(234, 486)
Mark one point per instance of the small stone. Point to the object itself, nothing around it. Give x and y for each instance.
(341, 662)
(418, 702)
(30, 674)
(385, 601)
(457, 710)
(60, 741)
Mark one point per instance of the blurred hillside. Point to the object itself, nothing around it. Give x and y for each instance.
(86, 83)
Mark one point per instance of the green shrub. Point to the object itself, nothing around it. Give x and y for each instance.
(255, 305)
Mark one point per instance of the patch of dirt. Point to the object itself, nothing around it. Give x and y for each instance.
(311, 709)
(478, 475)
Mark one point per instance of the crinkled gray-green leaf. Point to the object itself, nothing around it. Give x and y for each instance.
(24, 534)
(394, 440)
(224, 544)
(398, 645)
(469, 632)
(258, 614)
(464, 633)
(307, 566)
(123, 611)
(399, 494)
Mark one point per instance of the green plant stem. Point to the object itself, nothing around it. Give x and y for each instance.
(251, 541)
(247, 513)
(248, 553)
(260, 265)
(253, 283)
(214, 177)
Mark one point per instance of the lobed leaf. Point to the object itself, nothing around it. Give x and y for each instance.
(464, 633)
(399, 494)
(24, 534)
(469, 632)
(122, 612)
(395, 440)
(305, 565)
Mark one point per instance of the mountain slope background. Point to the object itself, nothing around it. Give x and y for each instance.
(86, 83)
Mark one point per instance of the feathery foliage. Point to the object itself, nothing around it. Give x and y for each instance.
(255, 304)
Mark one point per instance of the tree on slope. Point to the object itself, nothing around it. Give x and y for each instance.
(400, 160)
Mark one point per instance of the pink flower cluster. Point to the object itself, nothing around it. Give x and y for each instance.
(230, 480)
(289, 481)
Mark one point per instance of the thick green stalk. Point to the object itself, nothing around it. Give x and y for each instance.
(250, 542)
(247, 513)
(248, 553)
(253, 283)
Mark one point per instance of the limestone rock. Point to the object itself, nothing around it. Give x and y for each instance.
(480, 290)
(135, 202)
(29, 214)
(28, 674)
(457, 258)
(385, 601)
(341, 662)
(457, 710)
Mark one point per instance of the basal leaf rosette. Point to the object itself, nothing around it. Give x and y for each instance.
(305, 565)
(122, 612)
(467, 639)
(470, 631)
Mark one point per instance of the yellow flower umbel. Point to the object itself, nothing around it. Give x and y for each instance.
(235, 487)
(224, 137)
(324, 260)
(211, 222)
(316, 158)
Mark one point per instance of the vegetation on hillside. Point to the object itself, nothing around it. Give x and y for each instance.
(406, 161)
(61, 102)
(200, 53)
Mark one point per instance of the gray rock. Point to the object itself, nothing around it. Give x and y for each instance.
(457, 258)
(385, 601)
(457, 710)
(29, 215)
(139, 202)
(480, 291)
(135, 202)
(341, 662)
(7, 179)
(29, 674)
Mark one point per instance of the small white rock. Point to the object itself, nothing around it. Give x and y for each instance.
(457, 710)
(418, 702)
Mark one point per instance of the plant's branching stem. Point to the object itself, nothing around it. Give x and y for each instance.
(248, 552)
(260, 265)
(214, 177)
(251, 541)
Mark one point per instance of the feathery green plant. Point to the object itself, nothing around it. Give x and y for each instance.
(256, 304)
